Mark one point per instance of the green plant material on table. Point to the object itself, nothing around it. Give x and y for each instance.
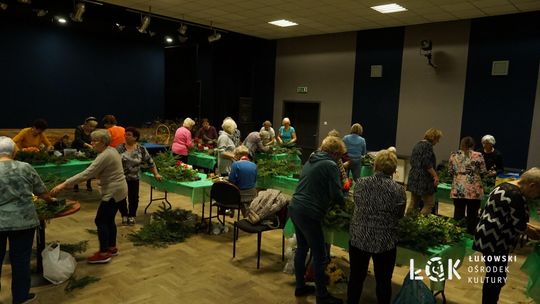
(367, 160)
(282, 167)
(50, 210)
(170, 168)
(339, 217)
(419, 232)
(288, 148)
(75, 283)
(42, 157)
(167, 227)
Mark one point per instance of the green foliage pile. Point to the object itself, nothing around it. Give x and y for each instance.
(167, 166)
(167, 227)
(282, 167)
(75, 283)
(42, 157)
(419, 232)
(73, 248)
(50, 210)
(288, 148)
(444, 176)
(339, 217)
(367, 160)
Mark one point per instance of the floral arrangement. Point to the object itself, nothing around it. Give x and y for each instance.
(172, 169)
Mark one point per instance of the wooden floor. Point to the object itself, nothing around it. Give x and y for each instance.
(201, 270)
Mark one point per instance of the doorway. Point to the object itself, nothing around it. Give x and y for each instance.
(304, 116)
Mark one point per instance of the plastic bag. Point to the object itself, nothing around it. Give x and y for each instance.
(58, 266)
(414, 292)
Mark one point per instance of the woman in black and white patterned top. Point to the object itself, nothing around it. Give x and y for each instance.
(503, 219)
(379, 204)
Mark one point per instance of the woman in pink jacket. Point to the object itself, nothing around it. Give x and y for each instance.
(182, 140)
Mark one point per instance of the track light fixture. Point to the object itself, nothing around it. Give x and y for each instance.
(25, 1)
(145, 22)
(119, 27)
(214, 37)
(78, 13)
(182, 29)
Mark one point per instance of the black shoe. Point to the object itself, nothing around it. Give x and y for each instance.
(304, 291)
(31, 297)
(329, 299)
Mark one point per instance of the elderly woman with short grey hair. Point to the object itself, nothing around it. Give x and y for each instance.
(492, 156)
(225, 147)
(257, 142)
(18, 217)
(107, 167)
(182, 140)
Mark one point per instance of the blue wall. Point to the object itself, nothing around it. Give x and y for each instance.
(64, 75)
(503, 105)
(376, 100)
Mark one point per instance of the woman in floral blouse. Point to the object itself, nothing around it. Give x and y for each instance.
(466, 166)
(133, 156)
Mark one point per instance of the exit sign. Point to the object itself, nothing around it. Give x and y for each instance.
(301, 90)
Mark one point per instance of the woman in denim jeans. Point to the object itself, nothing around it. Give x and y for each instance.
(18, 217)
(318, 189)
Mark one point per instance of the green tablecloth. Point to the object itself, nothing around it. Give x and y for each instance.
(456, 251)
(196, 190)
(443, 195)
(68, 169)
(532, 268)
(202, 160)
(285, 184)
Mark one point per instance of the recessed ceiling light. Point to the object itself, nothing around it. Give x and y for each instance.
(389, 8)
(283, 23)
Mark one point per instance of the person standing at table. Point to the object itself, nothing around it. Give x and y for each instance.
(225, 147)
(492, 156)
(207, 134)
(379, 203)
(356, 149)
(107, 167)
(83, 142)
(286, 133)
(182, 140)
(133, 156)
(267, 126)
(423, 178)
(117, 133)
(318, 189)
(236, 135)
(257, 142)
(34, 137)
(466, 167)
(503, 220)
(18, 217)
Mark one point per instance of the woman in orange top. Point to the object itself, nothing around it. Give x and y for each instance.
(117, 133)
(33, 137)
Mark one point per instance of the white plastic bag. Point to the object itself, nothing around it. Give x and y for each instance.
(58, 266)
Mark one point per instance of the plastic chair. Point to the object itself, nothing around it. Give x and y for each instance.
(259, 228)
(224, 195)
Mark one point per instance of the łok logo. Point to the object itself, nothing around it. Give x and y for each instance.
(435, 270)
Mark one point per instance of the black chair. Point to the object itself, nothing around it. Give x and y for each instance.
(259, 228)
(224, 195)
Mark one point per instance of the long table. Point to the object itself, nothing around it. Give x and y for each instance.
(68, 169)
(202, 160)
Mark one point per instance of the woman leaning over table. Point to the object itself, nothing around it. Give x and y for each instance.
(466, 167)
(18, 218)
(107, 167)
(379, 204)
(423, 178)
(133, 156)
(503, 219)
(182, 140)
(34, 137)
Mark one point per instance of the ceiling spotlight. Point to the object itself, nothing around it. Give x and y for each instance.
(78, 13)
(214, 37)
(182, 29)
(145, 22)
(41, 12)
(25, 1)
(61, 20)
(3, 6)
(119, 27)
(168, 39)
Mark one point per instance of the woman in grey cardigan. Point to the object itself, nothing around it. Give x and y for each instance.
(107, 167)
